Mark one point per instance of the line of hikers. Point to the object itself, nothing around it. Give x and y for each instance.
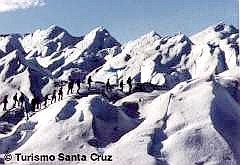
(108, 85)
(37, 101)
(121, 84)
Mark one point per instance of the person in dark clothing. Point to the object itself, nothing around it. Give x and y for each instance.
(38, 102)
(129, 82)
(45, 100)
(78, 84)
(108, 86)
(33, 104)
(60, 94)
(15, 99)
(54, 98)
(21, 100)
(27, 107)
(121, 85)
(70, 86)
(5, 101)
(89, 81)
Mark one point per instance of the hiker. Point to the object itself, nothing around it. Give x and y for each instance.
(15, 99)
(78, 84)
(27, 106)
(121, 85)
(60, 94)
(21, 100)
(108, 86)
(129, 82)
(38, 102)
(33, 104)
(54, 96)
(89, 82)
(45, 100)
(70, 86)
(5, 101)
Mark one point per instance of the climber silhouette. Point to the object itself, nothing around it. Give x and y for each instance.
(129, 82)
(21, 100)
(45, 100)
(54, 98)
(33, 104)
(89, 81)
(108, 86)
(70, 86)
(78, 84)
(38, 102)
(60, 94)
(27, 105)
(5, 101)
(15, 99)
(121, 85)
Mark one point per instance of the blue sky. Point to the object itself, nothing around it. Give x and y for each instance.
(125, 19)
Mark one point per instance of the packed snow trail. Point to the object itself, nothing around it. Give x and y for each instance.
(12, 116)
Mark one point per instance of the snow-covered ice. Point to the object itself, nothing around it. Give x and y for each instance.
(184, 107)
